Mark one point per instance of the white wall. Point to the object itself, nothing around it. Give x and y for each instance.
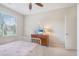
(19, 21)
(54, 19)
(78, 29)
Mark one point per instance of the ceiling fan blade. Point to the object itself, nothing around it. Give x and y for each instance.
(30, 6)
(39, 4)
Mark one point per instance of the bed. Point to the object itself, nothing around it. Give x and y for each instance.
(21, 48)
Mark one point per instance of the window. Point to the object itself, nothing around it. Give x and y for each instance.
(7, 25)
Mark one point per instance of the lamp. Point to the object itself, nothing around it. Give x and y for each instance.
(47, 30)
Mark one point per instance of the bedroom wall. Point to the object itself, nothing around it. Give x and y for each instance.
(77, 30)
(19, 21)
(55, 19)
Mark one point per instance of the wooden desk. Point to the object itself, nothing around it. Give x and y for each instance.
(43, 38)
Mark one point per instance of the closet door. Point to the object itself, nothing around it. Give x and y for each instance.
(71, 29)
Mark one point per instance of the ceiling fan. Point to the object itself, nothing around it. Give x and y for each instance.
(38, 4)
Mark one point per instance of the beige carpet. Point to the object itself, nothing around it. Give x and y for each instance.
(58, 52)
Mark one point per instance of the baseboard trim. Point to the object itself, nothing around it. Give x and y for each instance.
(71, 49)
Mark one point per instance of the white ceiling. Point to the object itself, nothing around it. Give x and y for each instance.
(24, 9)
